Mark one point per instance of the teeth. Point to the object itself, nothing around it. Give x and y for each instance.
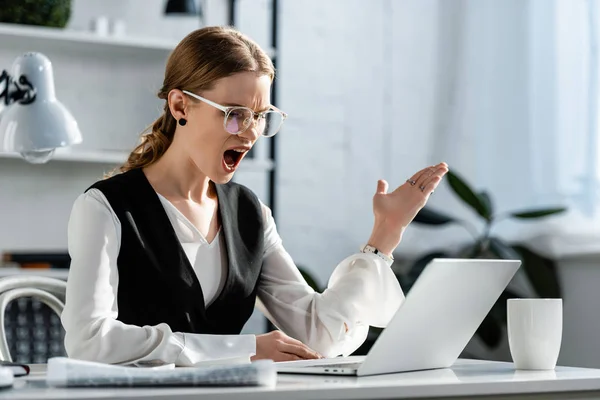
(239, 150)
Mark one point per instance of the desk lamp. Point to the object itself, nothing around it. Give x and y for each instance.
(33, 122)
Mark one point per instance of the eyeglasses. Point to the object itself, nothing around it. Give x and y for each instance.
(238, 119)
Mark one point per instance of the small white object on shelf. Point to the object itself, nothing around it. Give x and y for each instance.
(100, 25)
(31, 34)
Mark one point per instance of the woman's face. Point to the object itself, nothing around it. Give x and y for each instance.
(208, 145)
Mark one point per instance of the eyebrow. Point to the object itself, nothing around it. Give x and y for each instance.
(241, 105)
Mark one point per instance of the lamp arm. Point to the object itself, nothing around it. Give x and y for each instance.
(24, 91)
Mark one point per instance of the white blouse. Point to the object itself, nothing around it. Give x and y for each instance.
(362, 291)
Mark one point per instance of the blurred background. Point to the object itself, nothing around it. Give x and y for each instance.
(505, 91)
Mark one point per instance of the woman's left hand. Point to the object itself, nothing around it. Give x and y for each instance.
(395, 210)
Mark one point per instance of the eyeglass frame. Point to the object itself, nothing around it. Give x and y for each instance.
(227, 109)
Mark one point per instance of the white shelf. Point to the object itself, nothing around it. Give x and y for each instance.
(36, 38)
(33, 36)
(86, 156)
(119, 157)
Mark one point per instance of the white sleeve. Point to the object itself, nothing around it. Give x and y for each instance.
(89, 318)
(362, 291)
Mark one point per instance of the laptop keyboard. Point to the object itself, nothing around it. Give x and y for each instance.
(342, 365)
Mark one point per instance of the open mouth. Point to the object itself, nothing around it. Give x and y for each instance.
(232, 158)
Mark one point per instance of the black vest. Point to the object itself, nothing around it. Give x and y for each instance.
(156, 281)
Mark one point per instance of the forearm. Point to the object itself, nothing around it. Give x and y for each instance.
(385, 237)
(110, 341)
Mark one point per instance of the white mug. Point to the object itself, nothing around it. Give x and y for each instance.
(535, 332)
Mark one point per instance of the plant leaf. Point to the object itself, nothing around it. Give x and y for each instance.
(471, 250)
(502, 250)
(408, 279)
(541, 272)
(462, 189)
(490, 331)
(428, 216)
(499, 309)
(538, 213)
(312, 282)
(485, 198)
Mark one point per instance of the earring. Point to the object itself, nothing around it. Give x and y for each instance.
(182, 121)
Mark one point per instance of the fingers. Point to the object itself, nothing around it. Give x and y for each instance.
(382, 186)
(415, 178)
(299, 350)
(287, 357)
(288, 339)
(429, 172)
(428, 184)
(422, 178)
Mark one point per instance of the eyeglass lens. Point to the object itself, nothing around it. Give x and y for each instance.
(238, 120)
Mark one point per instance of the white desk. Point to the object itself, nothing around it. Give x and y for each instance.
(467, 379)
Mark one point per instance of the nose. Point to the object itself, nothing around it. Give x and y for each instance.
(251, 133)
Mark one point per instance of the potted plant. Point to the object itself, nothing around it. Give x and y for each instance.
(52, 13)
(539, 270)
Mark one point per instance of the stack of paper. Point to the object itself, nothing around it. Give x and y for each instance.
(63, 372)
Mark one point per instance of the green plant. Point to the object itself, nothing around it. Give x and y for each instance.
(53, 13)
(310, 280)
(540, 270)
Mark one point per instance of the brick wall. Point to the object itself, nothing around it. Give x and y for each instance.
(357, 81)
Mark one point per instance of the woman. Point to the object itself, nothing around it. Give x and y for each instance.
(169, 257)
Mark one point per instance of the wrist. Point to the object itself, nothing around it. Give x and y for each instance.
(369, 249)
(385, 237)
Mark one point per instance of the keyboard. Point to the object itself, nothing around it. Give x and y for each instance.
(342, 365)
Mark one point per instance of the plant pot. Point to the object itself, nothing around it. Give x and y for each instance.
(52, 13)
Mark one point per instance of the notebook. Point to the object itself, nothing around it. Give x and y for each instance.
(65, 372)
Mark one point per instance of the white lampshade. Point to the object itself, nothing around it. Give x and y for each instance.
(34, 130)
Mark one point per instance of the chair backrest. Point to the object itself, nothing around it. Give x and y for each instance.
(49, 291)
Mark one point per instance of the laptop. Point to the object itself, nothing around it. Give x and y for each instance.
(434, 324)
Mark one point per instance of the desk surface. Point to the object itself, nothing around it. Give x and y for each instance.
(470, 379)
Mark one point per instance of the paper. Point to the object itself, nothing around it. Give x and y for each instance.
(65, 372)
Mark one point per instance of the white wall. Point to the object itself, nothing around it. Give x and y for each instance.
(357, 82)
(384, 90)
(35, 202)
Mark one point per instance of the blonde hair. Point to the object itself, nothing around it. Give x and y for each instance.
(199, 60)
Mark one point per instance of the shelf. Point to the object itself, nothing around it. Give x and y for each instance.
(33, 36)
(119, 157)
(37, 38)
(85, 156)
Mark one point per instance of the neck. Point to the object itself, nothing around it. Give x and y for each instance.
(174, 176)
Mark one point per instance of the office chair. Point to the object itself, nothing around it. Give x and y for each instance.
(48, 291)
